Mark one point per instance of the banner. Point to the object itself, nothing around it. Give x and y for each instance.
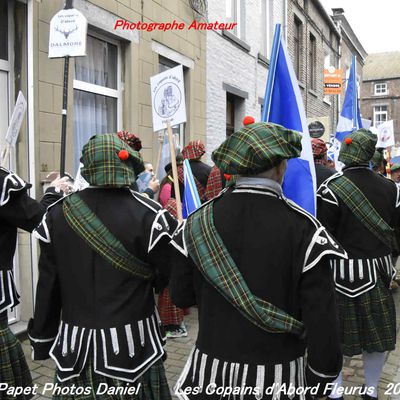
(385, 134)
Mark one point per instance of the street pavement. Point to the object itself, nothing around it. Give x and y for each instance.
(178, 351)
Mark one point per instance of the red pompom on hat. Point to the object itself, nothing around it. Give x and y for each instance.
(123, 155)
(248, 120)
(227, 177)
(348, 140)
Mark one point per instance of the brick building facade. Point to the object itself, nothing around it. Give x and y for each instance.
(380, 90)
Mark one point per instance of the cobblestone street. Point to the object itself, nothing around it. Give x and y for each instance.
(178, 350)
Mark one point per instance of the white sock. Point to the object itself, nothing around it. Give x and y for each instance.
(336, 393)
(373, 365)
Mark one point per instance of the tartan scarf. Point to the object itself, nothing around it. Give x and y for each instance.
(91, 229)
(209, 253)
(355, 199)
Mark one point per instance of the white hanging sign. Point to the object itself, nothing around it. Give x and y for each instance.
(168, 98)
(68, 29)
(16, 120)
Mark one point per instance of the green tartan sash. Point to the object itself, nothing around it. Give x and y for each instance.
(355, 199)
(90, 228)
(208, 251)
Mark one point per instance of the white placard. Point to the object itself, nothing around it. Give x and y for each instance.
(385, 134)
(168, 98)
(68, 29)
(16, 120)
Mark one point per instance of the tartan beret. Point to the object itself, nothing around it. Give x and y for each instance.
(358, 147)
(255, 148)
(394, 167)
(377, 159)
(194, 150)
(318, 147)
(130, 139)
(102, 165)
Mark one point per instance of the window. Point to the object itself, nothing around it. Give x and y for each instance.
(178, 130)
(265, 26)
(233, 14)
(380, 89)
(230, 114)
(380, 115)
(297, 47)
(97, 92)
(312, 62)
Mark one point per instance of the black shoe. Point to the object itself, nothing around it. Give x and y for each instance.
(336, 398)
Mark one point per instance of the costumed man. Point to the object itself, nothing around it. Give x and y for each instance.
(361, 208)
(255, 264)
(193, 152)
(395, 173)
(103, 250)
(322, 170)
(17, 210)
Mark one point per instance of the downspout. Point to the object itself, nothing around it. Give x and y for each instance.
(285, 19)
(31, 140)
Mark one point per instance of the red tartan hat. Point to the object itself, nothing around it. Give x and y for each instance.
(194, 150)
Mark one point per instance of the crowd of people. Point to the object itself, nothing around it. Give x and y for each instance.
(281, 295)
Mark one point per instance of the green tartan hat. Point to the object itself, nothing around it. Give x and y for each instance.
(255, 148)
(358, 147)
(377, 159)
(108, 161)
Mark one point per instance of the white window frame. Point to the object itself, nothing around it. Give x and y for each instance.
(102, 90)
(233, 6)
(381, 113)
(265, 24)
(378, 86)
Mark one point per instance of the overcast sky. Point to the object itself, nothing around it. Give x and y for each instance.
(375, 22)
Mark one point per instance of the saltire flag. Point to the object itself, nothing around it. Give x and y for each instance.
(350, 118)
(283, 105)
(191, 199)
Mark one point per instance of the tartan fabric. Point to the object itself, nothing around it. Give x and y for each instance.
(214, 183)
(377, 159)
(354, 198)
(90, 228)
(170, 206)
(102, 165)
(256, 148)
(13, 367)
(130, 139)
(194, 150)
(169, 313)
(394, 167)
(209, 253)
(153, 385)
(367, 322)
(199, 187)
(358, 147)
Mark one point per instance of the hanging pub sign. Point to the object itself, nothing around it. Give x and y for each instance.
(333, 82)
(316, 129)
(68, 29)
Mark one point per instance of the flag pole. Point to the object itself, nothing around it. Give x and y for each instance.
(271, 73)
(355, 96)
(68, 5)
(160, 145)
(174, 172)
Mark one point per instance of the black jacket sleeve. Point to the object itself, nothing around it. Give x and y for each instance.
(319, 313)
(42, 329)
(22, 211)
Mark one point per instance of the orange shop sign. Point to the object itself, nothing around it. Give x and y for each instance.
(333, 81)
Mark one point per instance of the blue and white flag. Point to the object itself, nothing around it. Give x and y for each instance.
(191, 199)
(283, 105)
(350, 118)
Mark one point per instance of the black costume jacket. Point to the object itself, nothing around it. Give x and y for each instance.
(322, 173)
(280, 250)
(369, 257)
(86, 307)
(17, 210)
